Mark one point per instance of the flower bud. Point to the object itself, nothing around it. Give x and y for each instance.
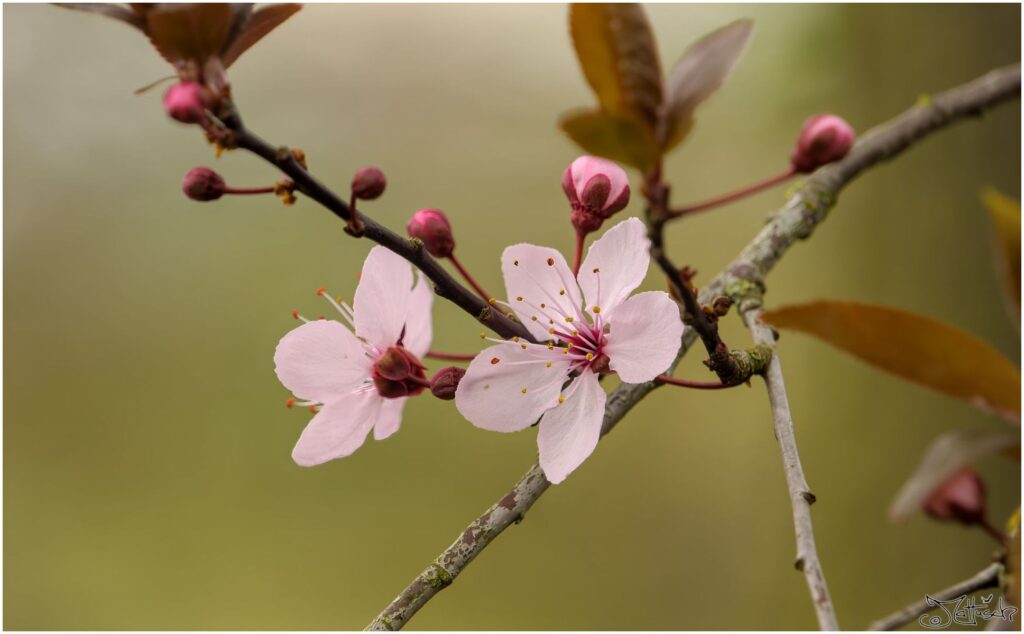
(596, 188)
(203, 184)
(368, 183)
(431, 227)
(823, 139)
(445, 382)
(185, 102)
(960, 498)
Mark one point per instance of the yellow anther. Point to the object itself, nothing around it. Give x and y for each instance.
(524, 390)
(551, 345)
(548, 364)
(568, 320)
(597, 270)
(575, 332)
(483, 335)
(551, 331)
(543, 305)
(523, 346)
(561, 399)
(519, 298)
(533, 317)
(590, 357)
(515, 263)
(491, 300)
(515, 339)
(561, 292)
(596, 309)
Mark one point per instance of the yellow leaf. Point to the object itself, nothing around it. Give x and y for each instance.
(620, 138)
(1005, 214)
(619, 58)
(916, 348)
(701, 70)
(1011, 578)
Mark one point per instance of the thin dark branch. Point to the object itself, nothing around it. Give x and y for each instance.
(444, 284)
(807, 208)
(987, 578)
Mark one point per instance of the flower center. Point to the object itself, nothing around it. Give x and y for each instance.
(398, 373)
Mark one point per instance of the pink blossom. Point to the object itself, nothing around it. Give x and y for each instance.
(185, 102)
(586, 326)
(359, 381)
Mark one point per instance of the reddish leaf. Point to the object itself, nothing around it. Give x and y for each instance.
(621, 138)
(110, 10)
(947, 454)
(189, 31)
(617, 53)
(697, 75)
(258, 25)
(1005, 213)
(916, 348)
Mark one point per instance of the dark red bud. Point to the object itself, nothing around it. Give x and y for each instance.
(203, 184)
(368, 183)
(595, 193)
(431, 227)
(393, 365)
(185, 102)
(445, 382)
(960, 498)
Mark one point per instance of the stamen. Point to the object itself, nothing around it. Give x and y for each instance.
(495, 360)
(524, 390)
(290, 403)
(296, 315)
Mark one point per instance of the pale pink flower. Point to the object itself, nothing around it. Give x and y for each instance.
(596, 188)
(585, 325)
(359, 381)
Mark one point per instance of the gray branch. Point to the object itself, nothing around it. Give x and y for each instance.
(987, 578)
(800, 495)
(742, 279)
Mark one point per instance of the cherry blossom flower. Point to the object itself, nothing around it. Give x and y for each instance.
(586, 326)
(359, 381)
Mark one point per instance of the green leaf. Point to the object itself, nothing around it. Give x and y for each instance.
(259, 24)
(913, 347)
(620, 138)
(947, 454)
(619, 58)
(1005, 213)
(697, 75)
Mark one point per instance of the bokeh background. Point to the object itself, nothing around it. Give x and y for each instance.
(147, 477)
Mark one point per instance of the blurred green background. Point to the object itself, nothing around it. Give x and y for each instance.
(147, 476)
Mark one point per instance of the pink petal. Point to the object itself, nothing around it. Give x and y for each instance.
(338, 429)
(491, 395)
(321, 360)
(645, 336)
(417, 323)
(621, 258)
(569, 432)
(382, 297)
(586, 167)
(539, 284)
(390, 418)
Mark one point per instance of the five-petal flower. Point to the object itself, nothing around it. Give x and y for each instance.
(360, 381)
(586, 325)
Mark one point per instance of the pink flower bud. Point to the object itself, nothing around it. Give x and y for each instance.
(431, 227)
(368, 183)
(203, 184)
(823, 139)
(445, 382)
(185, 102)
(961, 498)
(596, 188)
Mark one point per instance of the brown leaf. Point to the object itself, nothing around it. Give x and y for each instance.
(947, 454)
(110, 10)
(916, 348)
(1005, 213)
(189, 31)
(621, 138)
(619, 58)
(259, 24)
(697, 75)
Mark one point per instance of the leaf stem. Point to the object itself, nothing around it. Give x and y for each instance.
(698, 385)
(249, 190)
(689, 210)
(578, 258)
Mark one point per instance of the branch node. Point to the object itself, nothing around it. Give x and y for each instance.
(809, 497)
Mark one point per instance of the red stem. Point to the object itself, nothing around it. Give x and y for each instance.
(698, 385)
(448, 356)
(469, 278)
(736, 195)
(580, 236)
(994, 532)
(249, 190)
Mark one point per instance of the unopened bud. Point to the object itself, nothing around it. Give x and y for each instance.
(960, 498)
(596, 188)
(823, 139)
(185, 102)
(203, 184)
(431, 227)
(445, 382)
(368, 183)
